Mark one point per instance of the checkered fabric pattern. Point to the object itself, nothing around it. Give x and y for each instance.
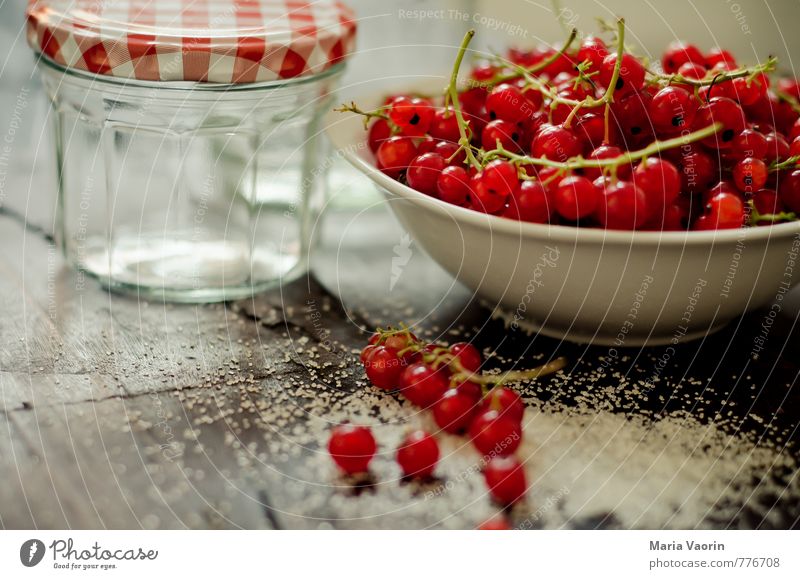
(222, 41)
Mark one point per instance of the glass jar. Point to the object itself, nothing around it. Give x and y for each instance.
(188, 189)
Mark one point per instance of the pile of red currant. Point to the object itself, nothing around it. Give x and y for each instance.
(462, 399)
(591, 135)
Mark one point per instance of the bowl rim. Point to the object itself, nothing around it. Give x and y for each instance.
(353, 149)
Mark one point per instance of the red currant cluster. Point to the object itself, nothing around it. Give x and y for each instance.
(447, 380)
(590, 136)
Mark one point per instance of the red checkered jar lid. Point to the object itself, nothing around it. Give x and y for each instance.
(221, 41)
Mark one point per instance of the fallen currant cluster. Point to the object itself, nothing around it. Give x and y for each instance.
(592, 136)
(462, 399)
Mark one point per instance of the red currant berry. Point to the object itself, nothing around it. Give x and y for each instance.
(749, 143)
(767, 202)
(575, 198)
(395, 154)
(505, 479)
(451, 152)
(726, 112)
(422, 385)
(660, 182)
(423, 172)
(384, 367)
(413, 115)
(692, 70)
(468, 355)
(352, 447)
(631, 116)
(778, 148)
(556, 143)
(445, 126)
(679, 53)
(750, 174)
(794, 148)
(507, 102)
(717, 56)
(672, 110)
(606, 152)
(623, 206)
(631, 73)
(593, 50)
(507, 133)
(492, 187)
(723, 211)
(418, 454)
(789, 191)
(531, 202)
(590, 128)
(492, 433)
(745, 91)
(453, 186)
(506, 402)
(697, 171)
(365, 352)
(453, 412)
(795, 132)
(379, 131)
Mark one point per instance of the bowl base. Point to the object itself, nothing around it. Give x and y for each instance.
(602, 339)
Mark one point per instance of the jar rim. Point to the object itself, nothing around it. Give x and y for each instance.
(187, 85)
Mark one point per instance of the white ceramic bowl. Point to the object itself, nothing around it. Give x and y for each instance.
(615, 288)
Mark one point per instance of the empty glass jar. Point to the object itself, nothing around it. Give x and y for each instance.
(188, 155)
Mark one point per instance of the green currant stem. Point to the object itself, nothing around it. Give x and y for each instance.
(581, 163)
(513, 375)
(374, 114)
(765, 67)
(756, 217)
(785, 164)
(452, 94)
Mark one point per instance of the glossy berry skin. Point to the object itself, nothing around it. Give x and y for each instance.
(718, 56)
(777, 148)
(530, 202)
(767, 202)
(594, 50)
(383, 367)
(555, 143)
(453, 412)
(492, 187)
(379, 131)
(395, 154)
(697, 171)
(789, 191)
(413, 115)
(575, 198)
(723, 211)
(693, 70)
(418, 454)
(508, 133)
(672, 110)
(725, 111)
(492, 433)
(631, 73)
(679, 53)
(590, 129)
(632, 120)
(365, 352)
(445, 126)
(623, 206)
(352, 447)
(453, 186)
(423, 173)
(750, 175)
(507, 102)
(749, 143)
(468, 355)
(422, 385)
(660, 182)
(606, 152)
(505, 479)
(505, 401)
